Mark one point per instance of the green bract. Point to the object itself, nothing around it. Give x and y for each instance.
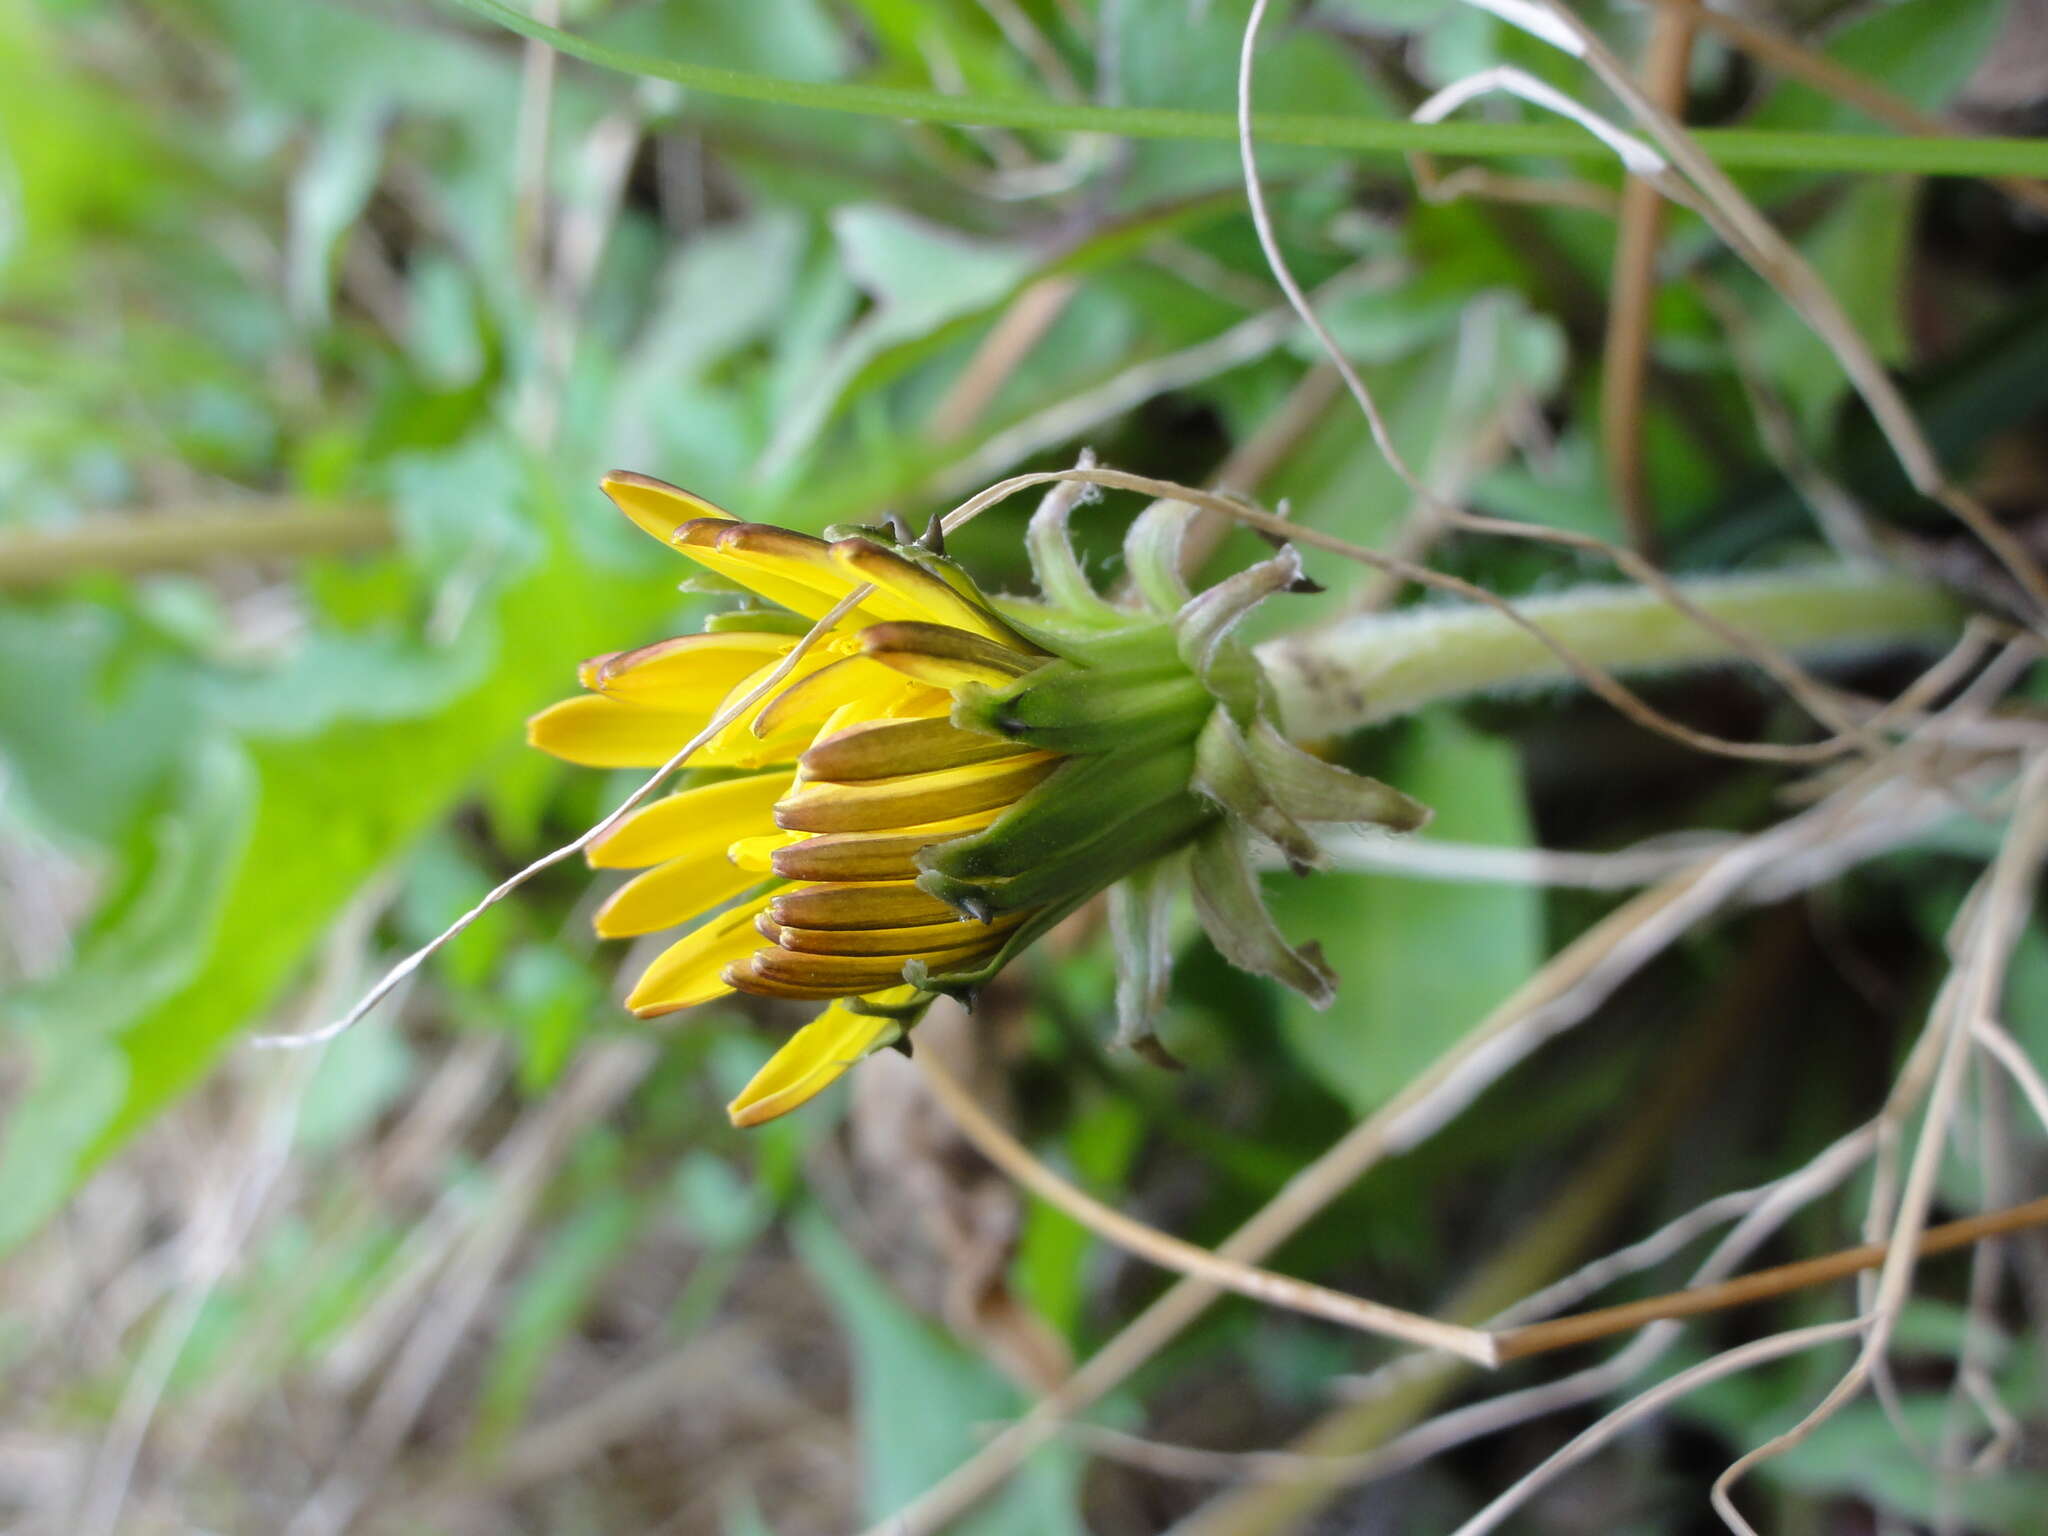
(1176, 773)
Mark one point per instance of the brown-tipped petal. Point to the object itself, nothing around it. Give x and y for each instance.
(902, 942)
(744, 976)
(655, 505)
(911, 799)
(921, 595)
(788, 742)
(690, 672)
(812, 700)
(945, 657)
(800, 588)
(893, 904)
(588, 673)
(850, 973)
(878, 749)
(851, 856)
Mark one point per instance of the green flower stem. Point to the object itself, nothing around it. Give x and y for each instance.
(1373, 667)
(1732, 148)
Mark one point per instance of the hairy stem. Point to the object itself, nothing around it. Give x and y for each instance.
(1372, 667)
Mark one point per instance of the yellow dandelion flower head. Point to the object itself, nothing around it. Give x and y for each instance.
(908, 785)
(805, 849)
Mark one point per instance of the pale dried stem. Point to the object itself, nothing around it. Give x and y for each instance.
(1766, 1210)
(2009, 1054)
(530, 150)
(1797, 682)
(702, 1368)
(1778, 262)
(1973, 1383)
(603, 164)
(1588, 1441)
(598, 1081)
(247, 1171)
(1786, 54)
(1994, 929)
(1177, 1254)
(1479, 181)
(1813, 847)
(1011, 340)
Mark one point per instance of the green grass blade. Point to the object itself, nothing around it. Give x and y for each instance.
(1732, 148)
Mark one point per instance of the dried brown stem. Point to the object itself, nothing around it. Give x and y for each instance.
(1179, 1255)
(1789, 56)
(1583, 1327)
(1634, 291)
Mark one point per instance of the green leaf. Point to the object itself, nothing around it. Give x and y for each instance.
(1418, 962)
(145, 947)
(360, 1076)
(357, 779)
(327, 198)
(92, 715)
(1922, 50)
(920, 276)
(1356, 133)
(1860, 250)
(921, 1400)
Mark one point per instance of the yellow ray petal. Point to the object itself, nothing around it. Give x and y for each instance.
(597, 732)
(691, 970)
(911, 799)
(758, 853)
(815, 1057)
(690, 672)
(701, 820)
(922, 702)
(671, 894)
(812, 700)
(917, 593)
(785, 739)
(655, 505)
